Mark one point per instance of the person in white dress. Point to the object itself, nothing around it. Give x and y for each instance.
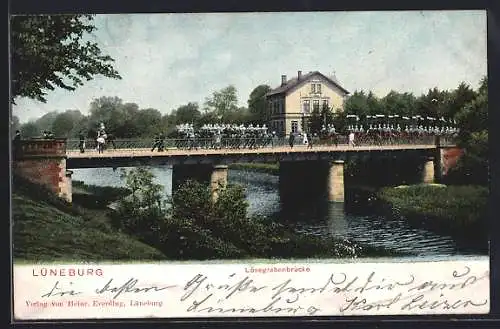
(351, 139)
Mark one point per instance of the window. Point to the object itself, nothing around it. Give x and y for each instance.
(316, 88)
(325, 103)
(306, 106)
(316, 105)
(295, 126)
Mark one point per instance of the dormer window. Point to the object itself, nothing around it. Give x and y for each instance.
(316, 88)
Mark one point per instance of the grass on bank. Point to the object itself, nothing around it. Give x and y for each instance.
(266, 168)
(454, 207)
(46, 228)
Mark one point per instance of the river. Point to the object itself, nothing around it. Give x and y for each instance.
(355, 221)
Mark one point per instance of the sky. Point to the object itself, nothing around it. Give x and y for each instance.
(168, 60)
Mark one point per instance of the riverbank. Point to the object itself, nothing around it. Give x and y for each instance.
(457, 210)
(265, 168)
(47, 228)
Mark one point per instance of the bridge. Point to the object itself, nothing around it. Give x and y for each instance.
(49, 161)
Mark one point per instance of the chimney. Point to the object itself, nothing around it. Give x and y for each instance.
(283, 80)
(299, 75)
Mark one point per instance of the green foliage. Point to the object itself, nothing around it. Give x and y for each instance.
(46, 228)
(267, 168)
(196, 227)
(143, 212)
(187, 113)
(30, 129)
(257, 105)
(321, 117)
(63, 124)
(96, 197)
(222, 102)
(393, 102)
(456, 207)
(472, 118)
(49, 51)
(467, 106)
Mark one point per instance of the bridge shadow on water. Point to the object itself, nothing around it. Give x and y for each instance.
(363, 218)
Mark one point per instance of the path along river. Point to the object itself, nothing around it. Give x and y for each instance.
(356, 220)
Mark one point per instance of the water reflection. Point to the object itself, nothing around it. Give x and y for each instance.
(356, 219)
(337, 221)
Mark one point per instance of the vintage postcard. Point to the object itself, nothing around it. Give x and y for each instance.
(249, 164)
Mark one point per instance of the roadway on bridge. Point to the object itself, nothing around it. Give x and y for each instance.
(143, 152)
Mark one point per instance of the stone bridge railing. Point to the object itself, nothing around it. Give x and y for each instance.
(37, 147)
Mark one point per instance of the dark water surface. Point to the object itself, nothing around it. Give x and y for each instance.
(355, 220)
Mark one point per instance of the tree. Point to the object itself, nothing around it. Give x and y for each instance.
(143, 212)
(434, 104)
(374, 104)
(65, 122)
(315, 121)
(14, 125)
(45, 121)
(147, 120)
(48, 51)
(459, 98)
(257, 105)
(472, 120)
(222, 102)
(29, 130)
(404, 104)
(239, 115)
(357, 103)
(107, 110)
(188, 113)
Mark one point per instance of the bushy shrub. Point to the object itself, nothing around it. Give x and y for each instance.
(197, 227)
(451, 206)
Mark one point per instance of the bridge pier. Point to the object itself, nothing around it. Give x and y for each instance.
(335, 181)
(43, 161)
(214, 175)
(428, 172)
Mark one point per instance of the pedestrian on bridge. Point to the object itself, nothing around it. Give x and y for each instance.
(309, 140)
(161, 146)
(291, 139)
(81, 143)
(351, 139)
(100, 142)
(156, 143)
(16, 145)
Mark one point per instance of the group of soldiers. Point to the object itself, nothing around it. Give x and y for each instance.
(218, 136)
(397, 129)
(378, 134)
